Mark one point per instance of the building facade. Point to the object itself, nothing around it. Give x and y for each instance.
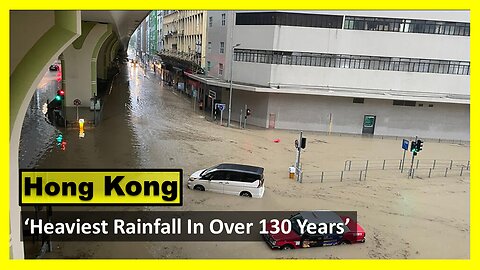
(183, 48)
(183, 35)
(399, 73)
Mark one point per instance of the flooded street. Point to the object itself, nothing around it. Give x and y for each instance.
(38, 137)
(148, 125)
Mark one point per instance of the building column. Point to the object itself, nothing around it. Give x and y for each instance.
(105, 53)
(81, 65)
(60, 28)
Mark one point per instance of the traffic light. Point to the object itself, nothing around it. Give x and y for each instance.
(59, 139)
(61, 143)
(413, 147)
(303, 144)
(249, 112)
(419, 145)
(60, 95)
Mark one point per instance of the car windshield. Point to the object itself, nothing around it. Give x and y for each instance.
(208, 170)
(295, 220)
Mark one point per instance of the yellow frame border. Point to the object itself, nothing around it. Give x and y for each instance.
(5, 7)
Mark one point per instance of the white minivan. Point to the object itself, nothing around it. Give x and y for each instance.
(237, 179)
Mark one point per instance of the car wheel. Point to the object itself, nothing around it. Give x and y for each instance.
(245, 194)
(286, 247)
(345, 242)
(199, 187)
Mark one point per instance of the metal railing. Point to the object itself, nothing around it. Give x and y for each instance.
(396, 164)
(440, 172)
(357, 170)
(329, 176)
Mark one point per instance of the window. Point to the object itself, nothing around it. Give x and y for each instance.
(407, 26)
(223, 19)
(210, 21)
(358, 100)
(351, 61)
(209, 46)
(222, 47)
(209, 65)
(220, 69)
(290, 19)
(218, 175)
(404, 103)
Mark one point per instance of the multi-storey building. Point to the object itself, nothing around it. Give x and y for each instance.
(152, 35)
(401, 73)
(183, 50)
(160, 30)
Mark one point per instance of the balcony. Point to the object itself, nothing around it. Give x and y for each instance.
(189, 59)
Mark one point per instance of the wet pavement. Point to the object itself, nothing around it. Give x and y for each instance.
(148, 125)
(37, 136)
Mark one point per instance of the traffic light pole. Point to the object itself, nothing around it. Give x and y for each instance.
(245, 121)
(297, 162)
(410, 173)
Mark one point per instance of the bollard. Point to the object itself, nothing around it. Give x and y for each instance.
(360, 179)
(345, 165)
(418, 160)
(468, 165)
(461, 171)
(383, 167)
(429, 172)
(350, 165)
(451, 163)
(321, 180)
(413, 173)
(434, 161)
(341, 177)
(366, 165)
(446, 170)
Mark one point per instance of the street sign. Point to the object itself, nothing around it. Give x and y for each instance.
(77, 102)
(405, 144)
(212, 94)
(221, 106)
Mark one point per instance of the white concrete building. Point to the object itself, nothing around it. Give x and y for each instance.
(400, 73)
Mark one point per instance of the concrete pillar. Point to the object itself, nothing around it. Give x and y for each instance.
(104, 60)
(81, 65)
(37, 38)
(114, 50)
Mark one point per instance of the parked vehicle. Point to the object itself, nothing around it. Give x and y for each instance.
(53, 67)
(236, 179)
(293, 239)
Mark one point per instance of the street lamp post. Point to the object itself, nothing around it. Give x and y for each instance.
(231, 80)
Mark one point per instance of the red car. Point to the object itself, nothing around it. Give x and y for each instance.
(353, 232)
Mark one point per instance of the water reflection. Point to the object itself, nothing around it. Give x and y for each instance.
(37, 136)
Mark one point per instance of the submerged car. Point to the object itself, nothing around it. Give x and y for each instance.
(294, 239)
(235, 179)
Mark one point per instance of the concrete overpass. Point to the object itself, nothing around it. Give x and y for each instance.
(86, 42)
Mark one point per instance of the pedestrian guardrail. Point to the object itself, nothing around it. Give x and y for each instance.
(439, 172)
(357, 170)
(333, 176)
(397, 164)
